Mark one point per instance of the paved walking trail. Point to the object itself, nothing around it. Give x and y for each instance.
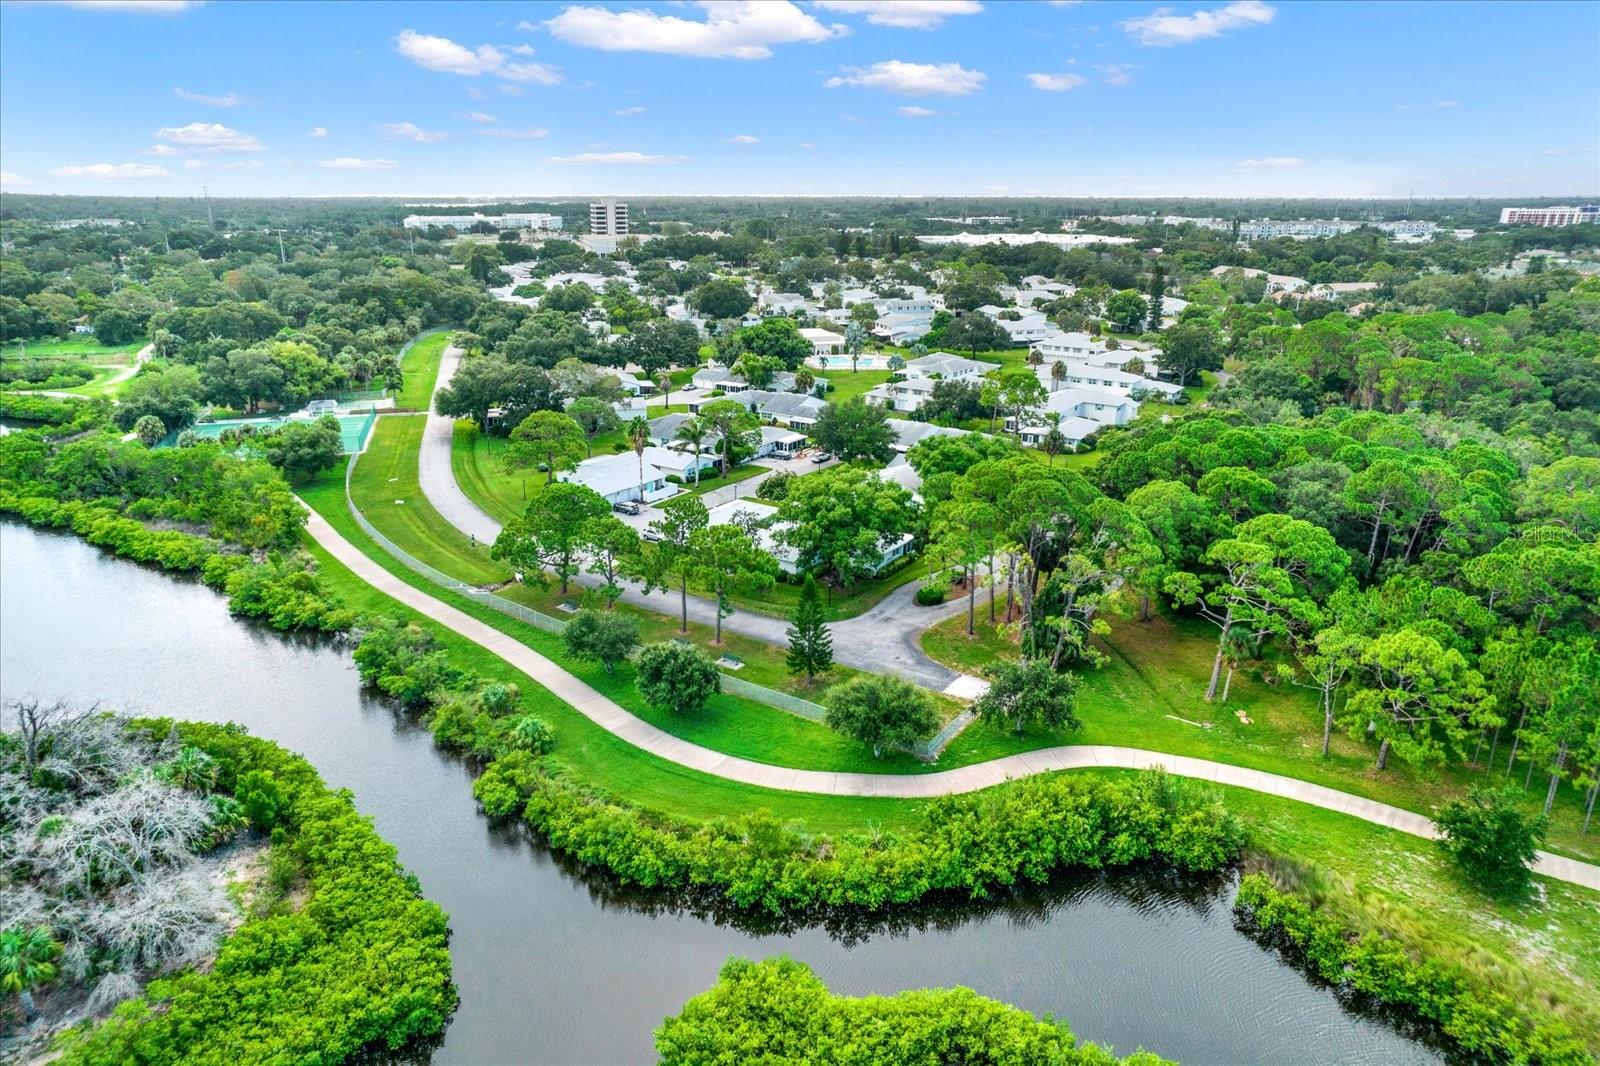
(615, 719)
(885, 638)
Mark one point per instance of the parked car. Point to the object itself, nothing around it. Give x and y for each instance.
(650, 535)
(821, 457)
(626, 507)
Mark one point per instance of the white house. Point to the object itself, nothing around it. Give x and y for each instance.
(781, 303)
(823, 341)
(760, 517)
(903, 327)
(779, 442)
(907, 433)
(945, 365)
(906, 394)
(1097, 405)
(1074, 431)
(1084, 375)
(618, 479)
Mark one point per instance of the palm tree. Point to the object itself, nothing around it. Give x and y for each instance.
(26, 962)
(1058, 374)
(693, 432)
(804, 381)
(664, 383)
(638, 434)
(1035, 357)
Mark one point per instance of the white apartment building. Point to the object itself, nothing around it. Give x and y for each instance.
(608, 218)
(1549, 216)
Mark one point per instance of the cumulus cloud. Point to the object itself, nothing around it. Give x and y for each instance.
(1161, 27)
(744, 138)
(225, 100)
(228, 164)
(1437, 105)
(1271, 162)
(903, 14)
(347, 162)
(318, 131)
(159, 149)
(113, 171)
(625, 112)
(1115, 73)
(410, 131)
(912, 111)
(209, 137)
(615, 159)
(478, 116)
(732, 29)
(912, 79)
(524, 134)
(8, 179)
(1057, 83)
(447, 57)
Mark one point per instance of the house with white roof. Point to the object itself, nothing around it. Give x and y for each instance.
(618, 478)
(1084, 375)
(781, 443)
(781, 303)
(907, 394)
(1097, 405)
(1074, 431)
(903, 327)
(946, 365)
(823, 342)
(907, 433)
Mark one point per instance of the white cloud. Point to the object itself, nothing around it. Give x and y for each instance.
(903, 14)
(225, 100)
(136, 7)
(807, 145)
(1161, 27)
(318, 131)
(8, 179)
(744, 138)
(446, 56)
(159, 149)
(209, 137)
(1271, 161)
(912, 79)
(615, 159)
(229, 164)
(912, 111)
(732, 29)
(410, 131)
(522, 50)
(511, 89)
(346, 162)
(1115, 73)
(525, 134)
(192, 164)
(478, 116)
(1057, 83)
(1437, 105)
(624, 112)
(113, 171)
(851, 118)
(527, 27)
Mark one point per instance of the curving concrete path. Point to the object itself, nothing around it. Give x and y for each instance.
(883, 638)
(615, 719)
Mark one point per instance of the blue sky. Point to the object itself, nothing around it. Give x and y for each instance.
(1221, 97)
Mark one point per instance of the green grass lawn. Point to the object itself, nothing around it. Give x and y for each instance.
(710, 482)
(419, 369)
(1153, 687)
(77, 348)
(849, 384)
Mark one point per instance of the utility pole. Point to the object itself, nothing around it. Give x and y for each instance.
(282, 259)
(210, 218)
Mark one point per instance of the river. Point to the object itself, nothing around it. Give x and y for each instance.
(555, 966)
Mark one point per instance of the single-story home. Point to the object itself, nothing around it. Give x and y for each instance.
(907, 433)
(1073, 430)
(823, 341)
(946, 365)
(777, 442)
(617, 478)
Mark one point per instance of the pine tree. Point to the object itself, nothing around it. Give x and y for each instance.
(1157, 284)
(810, 643)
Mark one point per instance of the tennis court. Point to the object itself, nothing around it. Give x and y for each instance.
(354, 427)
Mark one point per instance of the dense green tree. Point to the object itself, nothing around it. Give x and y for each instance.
(549, 440)
(1188, 348)
(881, 710)
(854, 429)
(302, 450)
(776, 338)
(1125, 310)
(613, 549)
(810, 643)
(727, 560)
(1030, 694)
(841, 521)
(602, 637)
(721, 298)
(1494, 842)
(975, 332)
(594, 416)
(737, 431)
(27, 960)
(171, 394)
(551, 532)
(681, 518)
(149, 429)
(677, 677)
(1418, 698)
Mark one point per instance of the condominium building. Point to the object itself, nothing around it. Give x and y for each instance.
(1549, 216)
(534, 220)
(608, 218)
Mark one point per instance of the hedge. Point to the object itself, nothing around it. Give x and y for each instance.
(971, 845)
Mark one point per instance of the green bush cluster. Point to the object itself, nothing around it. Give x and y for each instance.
(971, 845)
(464, 713)
(362, 965)
(1483, 1022)
(60, 416)
(932, 594)
(43, 374)
(777, 1010)
(284, 591)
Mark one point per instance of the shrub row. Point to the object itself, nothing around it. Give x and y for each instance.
(971, 845)
(1480, 1021)
(60, 416)
(778, 1011)
(284, 590)
(363, 965)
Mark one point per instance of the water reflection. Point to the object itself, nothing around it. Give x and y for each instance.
(559, 964)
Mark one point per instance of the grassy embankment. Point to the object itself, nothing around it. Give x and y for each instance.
(419, 367)
(1149, 694)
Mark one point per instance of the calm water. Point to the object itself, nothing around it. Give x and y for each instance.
(556, 967)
